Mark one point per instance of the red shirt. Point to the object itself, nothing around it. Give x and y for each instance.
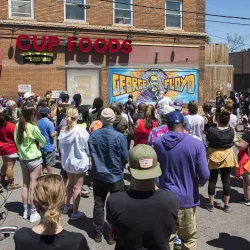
(142, 133)
(7, 143)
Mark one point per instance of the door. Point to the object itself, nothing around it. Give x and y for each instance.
(85, 82)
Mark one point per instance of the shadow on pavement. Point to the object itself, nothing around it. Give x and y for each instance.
(236, 183)
(15, 207)
(86, 224)
(228, 242)
(235, 196)
(204, 201)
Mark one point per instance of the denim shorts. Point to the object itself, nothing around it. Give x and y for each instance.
(31, 164)
(49, 159)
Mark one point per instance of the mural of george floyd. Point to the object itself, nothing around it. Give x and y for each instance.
(145, 84)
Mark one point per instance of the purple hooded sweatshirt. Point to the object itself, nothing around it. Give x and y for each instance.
(184, 166)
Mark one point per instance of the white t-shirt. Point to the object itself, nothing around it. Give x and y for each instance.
(233, 121)
(196, 124)
(165, 101)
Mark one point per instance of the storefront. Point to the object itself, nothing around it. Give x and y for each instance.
(108, 67)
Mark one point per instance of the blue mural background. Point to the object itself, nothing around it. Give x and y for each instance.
(161, 76)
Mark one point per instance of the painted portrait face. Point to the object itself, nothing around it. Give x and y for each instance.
(154, 84)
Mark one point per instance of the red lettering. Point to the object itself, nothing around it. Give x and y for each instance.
(111, 43)
(87, 49)
(127, 47)
(53, 42)
(71, 42)
(42, 46)
(19, 45)
(104, 45)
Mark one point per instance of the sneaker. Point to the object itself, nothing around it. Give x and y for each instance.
(177, 243)
(98, 239)
(111, 241)
(35, 217)
(245, 202)
(66, 208)
(91, 185)
(85, 193)
(78, 215)
(210, 207)
(13, 186)
(227, 209)
(26, 214)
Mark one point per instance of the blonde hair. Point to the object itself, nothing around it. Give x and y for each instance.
(72, 116)
(49, 194)
(229, 105)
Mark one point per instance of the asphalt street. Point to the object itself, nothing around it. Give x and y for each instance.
(217, 230)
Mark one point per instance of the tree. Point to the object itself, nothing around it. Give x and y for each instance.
(208, 39)
(235, 42)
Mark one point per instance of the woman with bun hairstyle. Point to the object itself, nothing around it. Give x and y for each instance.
(49, 196)
(221, 159)
(73, 145)
(144, 126)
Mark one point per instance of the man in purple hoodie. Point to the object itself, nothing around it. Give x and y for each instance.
(184, 168)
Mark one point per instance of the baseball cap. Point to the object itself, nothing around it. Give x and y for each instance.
(44, 111)
(27, 95)
(10, 103)
(178, 103)
(175, 117)
(143, 163)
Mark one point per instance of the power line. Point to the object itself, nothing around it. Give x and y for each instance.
(84, 6)
(183, 11)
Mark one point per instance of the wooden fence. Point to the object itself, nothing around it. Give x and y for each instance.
(217, 78)
(217, 54)
(218, 74)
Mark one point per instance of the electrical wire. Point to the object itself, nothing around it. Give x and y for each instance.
(189, 18)
(183, 11)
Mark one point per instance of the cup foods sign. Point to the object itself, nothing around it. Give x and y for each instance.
(85, 44)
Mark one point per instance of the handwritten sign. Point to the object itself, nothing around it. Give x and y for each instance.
(23, 88)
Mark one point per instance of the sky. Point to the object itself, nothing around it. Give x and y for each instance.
(218, 31)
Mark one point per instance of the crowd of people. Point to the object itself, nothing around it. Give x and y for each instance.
(170, 153)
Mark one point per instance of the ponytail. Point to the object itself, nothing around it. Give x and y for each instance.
(69, 125)
(71, 115)
(149, 116)
(27, 115)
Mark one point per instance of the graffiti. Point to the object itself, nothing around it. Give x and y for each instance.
(145, 84)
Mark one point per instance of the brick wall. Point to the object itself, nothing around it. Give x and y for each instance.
(101, 13)
(3, 9)
(44, 77)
